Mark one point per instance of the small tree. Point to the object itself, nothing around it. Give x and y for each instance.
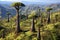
(17, 6)
(56, 17)
(48, 11)
(32, 16)
(40, 15)
(8, 14)
(38, 34)
(39, 24)
(26, 10)
(39, 12)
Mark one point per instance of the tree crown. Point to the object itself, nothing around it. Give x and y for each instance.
(48, 9)
(17, 5)
(8, 13)
(33, 14)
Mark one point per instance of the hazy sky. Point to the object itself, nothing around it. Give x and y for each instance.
(51, 1)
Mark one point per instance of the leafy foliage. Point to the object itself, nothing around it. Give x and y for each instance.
(49, 31)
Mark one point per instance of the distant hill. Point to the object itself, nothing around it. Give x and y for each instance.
(2, 10)
(56, 7)
(4, 6)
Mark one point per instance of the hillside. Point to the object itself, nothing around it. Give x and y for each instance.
(22, 21)
(48, 31)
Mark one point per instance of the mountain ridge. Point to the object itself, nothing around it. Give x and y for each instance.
(4, 7)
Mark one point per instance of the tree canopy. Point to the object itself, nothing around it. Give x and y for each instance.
(17, 5)
(33, 14)
(48, 9)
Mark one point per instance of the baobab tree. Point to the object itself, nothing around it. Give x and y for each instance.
(39, 24)
(26, 11)
(48, 11)
(56, 17)
(8, 14)
(32, 16)
(17, 6)
(39, 12)
(38, 34)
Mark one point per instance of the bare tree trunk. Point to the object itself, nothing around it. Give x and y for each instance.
(38, 34)
(8, 18)
(33, 25)
(48, 17)
(56, 17)
(27, 16)
(18, 22)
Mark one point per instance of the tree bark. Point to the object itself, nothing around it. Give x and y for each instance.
(27, 16)
(8, 18)
(48, 17)
(33, 25)
(38, 34)
(18, 22)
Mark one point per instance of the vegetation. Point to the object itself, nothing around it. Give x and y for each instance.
(35, 27)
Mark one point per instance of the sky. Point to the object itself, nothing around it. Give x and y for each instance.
(45, 1)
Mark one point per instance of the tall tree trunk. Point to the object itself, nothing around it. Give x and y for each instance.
(56, 17)
(33, 25)
(18, 22)
(8, 18)
(27, 16)
(38, 34)
(48, 17)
